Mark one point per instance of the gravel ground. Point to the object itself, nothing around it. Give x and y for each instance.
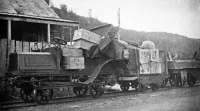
(181, 99)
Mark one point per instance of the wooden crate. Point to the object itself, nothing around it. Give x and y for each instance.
(150, 63)
(87, 35)
(82, 44)
(144, 56)
(72, 62)
(149, 55)
(66, 51)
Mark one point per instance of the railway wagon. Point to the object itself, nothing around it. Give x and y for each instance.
(38, 73)
(149, 67)
(182, 71)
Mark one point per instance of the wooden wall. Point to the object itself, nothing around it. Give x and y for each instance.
(23, 46)
(3, 49)
(24, 35)
(64, 32)
(25, 31)
(54, 32)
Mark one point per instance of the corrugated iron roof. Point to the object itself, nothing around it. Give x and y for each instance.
(31, 11)
(37, 8)
(28, 18)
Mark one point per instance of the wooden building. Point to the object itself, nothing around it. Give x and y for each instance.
(24, 22)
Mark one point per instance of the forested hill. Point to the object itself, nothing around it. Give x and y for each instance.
(173, 43)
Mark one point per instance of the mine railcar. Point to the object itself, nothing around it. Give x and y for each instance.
(149, 67)
(183, 71)
(38, 73)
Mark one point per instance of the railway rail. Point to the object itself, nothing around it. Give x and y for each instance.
(108, 94)
(20, 104)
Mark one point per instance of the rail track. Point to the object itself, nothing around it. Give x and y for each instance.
(108, 94)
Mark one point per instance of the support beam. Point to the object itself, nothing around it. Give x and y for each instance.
(8, 41)
(70, 34)
(48, 33)
(41, 20)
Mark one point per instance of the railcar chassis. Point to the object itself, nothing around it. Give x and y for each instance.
(182, 72)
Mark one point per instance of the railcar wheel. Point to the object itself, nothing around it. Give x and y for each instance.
(96, 91)
(111, 80)
(80, 91)
(180, 83)
(191, 80)
(154, 87)
(42, 96)
(176, 80)
(172, 80)
(124, 86)
(135, 85)
(164, 83)
(143, 88)
(26, 95)
(137, 88)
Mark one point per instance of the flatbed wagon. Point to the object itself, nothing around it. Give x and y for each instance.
(182, 71)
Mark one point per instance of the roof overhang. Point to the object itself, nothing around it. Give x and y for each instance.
(34, 19)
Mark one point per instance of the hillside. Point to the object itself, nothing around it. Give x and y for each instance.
(174, 43)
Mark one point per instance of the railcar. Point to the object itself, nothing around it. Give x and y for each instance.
(38, 73)
(183, 71)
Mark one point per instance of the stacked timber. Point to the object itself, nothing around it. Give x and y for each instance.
(84, 39)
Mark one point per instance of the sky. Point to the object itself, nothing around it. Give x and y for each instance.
(173, 16)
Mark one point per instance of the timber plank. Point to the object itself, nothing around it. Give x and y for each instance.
(3, 48)
(26, 47)
(18, 46)
(13, 48)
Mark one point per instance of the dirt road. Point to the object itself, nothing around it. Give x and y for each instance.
(176, 99)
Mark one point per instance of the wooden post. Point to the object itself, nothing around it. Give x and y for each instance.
(8, 41)
(70, 34)
(78, 26)
(48, 33)
(3, 50)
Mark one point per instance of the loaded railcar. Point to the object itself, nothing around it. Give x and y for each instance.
(38, 73)
(149, 67)
(83, 68)
(97, 58)
(184, 71)
(89, 66)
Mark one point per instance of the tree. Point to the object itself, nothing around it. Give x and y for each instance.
(51, 4)
(63, 11)
(90, 13)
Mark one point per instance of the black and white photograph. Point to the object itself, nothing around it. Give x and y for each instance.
(100, 55)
